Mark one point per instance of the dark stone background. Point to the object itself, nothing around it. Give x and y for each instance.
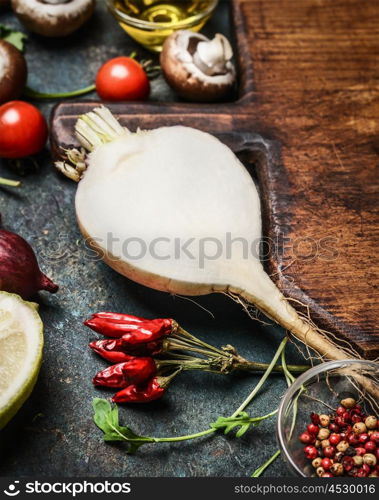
(54, 434)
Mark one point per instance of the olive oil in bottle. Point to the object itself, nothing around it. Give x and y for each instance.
(167, 15)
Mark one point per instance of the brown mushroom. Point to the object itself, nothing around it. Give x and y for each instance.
(197, 68)
(53, 18)
(13, 72)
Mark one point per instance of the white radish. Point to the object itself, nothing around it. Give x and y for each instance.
(145, 195)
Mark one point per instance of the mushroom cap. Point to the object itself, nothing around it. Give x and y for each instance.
(13, 72)
(186, 77)
(53, 19)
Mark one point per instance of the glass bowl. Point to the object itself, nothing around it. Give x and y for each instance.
(325, 383)
(160, 19)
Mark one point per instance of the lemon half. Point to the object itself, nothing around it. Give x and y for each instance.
(21, 345)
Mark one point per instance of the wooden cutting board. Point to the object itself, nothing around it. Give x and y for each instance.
(308, 120)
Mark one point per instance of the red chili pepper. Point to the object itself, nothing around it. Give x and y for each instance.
(111, 350)
(141, 394)
(106, 323)
(132, 330)
(118, 351)
(118, 317)
(134, 371)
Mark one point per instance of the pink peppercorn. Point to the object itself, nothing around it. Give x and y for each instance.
(326, 463)
(348, 440)
(315, 418)
(353, 439)
(333, 427)
(356, 418)
(366, 468)
(340, 410)
(370, 446)
(348, 463)
(310, 452)
(360, 451)
(340, 422)
(334, 439)
(329, 451)
(306, 438)
(361, 473)
(313, 429)
(362, 438)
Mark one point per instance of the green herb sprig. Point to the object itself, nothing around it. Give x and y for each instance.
(16, 38)
(106, 417)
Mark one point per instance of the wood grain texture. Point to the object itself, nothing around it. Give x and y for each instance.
(309, 84)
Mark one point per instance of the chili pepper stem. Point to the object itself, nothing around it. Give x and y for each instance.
(183, 364)
(165, 381)
(179, 345)
(197, 341)
(226, 365)
(251, 366)
(228, 353)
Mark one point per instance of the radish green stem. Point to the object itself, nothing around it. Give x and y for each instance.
(34, 94)
(263, 467)
(207, 431)
(9, 182)
(289, 379)
(98, 127)
(287, 372)
(263, 379)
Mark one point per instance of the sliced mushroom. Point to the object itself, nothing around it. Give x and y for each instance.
(13, 72)
(197, 68)
(53, 18)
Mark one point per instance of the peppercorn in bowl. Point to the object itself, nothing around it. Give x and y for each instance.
(328, 422)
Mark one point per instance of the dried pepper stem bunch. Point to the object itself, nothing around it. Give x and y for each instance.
(149, 353)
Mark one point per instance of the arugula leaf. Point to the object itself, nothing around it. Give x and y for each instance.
(242, 420)
(106, 418)
(16, 38)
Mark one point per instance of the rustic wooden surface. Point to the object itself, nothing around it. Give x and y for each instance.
(309, 83)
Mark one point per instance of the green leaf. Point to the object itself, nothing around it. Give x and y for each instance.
(106, 418)
(16, 38)
(242, 420)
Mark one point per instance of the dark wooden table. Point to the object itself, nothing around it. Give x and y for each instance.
(54, 434)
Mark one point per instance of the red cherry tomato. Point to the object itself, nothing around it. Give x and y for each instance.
(23, 130)
(122, 79)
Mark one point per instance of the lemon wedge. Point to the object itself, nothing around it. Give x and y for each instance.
(21, 345)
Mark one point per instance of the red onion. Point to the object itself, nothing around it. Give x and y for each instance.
(19, 270)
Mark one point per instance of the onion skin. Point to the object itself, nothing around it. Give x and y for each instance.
(19, 270)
